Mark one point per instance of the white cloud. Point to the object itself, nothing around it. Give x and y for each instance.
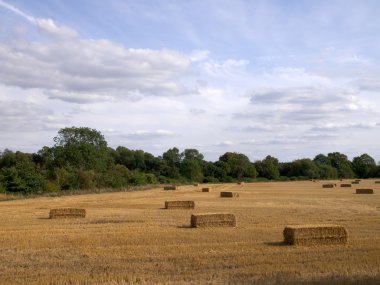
(149, 135)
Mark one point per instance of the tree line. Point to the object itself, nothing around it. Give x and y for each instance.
(81, 159)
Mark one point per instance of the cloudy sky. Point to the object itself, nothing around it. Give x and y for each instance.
(286, 78)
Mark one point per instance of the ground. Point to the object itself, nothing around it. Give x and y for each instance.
(129, 238)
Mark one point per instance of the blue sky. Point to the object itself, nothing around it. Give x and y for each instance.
(286, 78)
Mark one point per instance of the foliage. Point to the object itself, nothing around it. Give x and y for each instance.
(81, 159)
(268, 168)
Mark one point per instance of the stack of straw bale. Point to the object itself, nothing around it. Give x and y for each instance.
(179, 204)
(315, 234)
(67, 213)
(213, 220)
(229, 194)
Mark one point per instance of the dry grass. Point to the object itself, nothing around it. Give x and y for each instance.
(179, 205)
(64, 213)
(225, 194)
(315, 235)
(364, 191)
(213, 220)
(127, 238)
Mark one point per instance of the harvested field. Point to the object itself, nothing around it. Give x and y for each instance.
(345, 185)
(330, 185)
(213, 220)
(64, 213)
(127, 238)
(315, 235)
(179, 204)
(170, 187)
(229, 194)
(364, 191)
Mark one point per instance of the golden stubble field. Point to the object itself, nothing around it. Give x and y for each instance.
(129, 238)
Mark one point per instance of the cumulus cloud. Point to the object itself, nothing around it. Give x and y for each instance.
(149, 135)
(19, 116)
(99, 68)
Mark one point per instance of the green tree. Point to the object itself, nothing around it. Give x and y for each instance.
(342, 164)
(268, 168)
(304, 168)
(363, 165)
(82, 148)
(239, 165)
(191, 169)
(322, 159)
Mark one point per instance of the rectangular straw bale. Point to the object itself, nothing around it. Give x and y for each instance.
(213, 220)
(229, 194)
(330, 185)
(196, 184)
(355, 182)
(240, 183)
(377, 182)
(206, 189)
(364, 191)
(358, 180)
(179, 204)
(345, 185)
(315, 235)
(67, 213)
(173, 187)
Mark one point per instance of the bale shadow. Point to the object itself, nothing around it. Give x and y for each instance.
(276, 243)
(185, 226)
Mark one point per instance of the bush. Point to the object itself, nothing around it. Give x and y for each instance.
(52, 187)
(210, 179)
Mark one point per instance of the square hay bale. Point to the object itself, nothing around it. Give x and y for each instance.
(330, 185)
(240, 183)
(172, 187)
(377, 182)
(358, 180)
(206, 189)
(62, 213)
(364, 191)
(229, 194)
(315, 235)
(355, 182)
(213, 220)
(179, 204)
(345, 185)
(196, 184)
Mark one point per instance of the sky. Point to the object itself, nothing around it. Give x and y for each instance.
(290, 79)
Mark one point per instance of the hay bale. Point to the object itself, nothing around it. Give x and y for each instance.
(62, 213)
(345, 185)
(173, 187)
(240, 183)
(330, 185)
(196, 184)
(179, 204)
(315, 234)
(364, 191)
(213, 220)
(358, 180)
(229, 194)
(355, 182)
(377, 182)
(206, 189)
